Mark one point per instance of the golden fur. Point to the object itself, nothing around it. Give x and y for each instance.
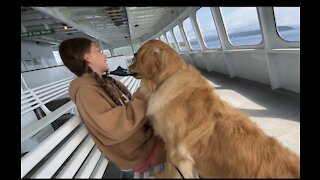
(202, 133)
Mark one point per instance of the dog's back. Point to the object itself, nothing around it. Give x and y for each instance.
(236, 148)
(199, 129)
(226, 143)
(223, 141)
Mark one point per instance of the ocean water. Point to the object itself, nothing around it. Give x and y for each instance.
(287, 35)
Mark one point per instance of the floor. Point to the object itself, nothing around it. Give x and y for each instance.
(277, 112)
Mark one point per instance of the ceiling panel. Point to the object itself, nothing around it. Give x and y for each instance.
(115, 26)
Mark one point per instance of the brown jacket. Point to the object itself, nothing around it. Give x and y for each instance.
(118, 132)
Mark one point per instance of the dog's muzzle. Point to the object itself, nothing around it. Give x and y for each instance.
(133, 74)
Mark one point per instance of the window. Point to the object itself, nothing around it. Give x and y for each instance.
(207, 28)
(123, 51)
(288, 22)
(191, 36)
(136, 47)
(171, 40)
(182, 45)
(57, 57)
(242, 25)
(162, 38)
(107, 52)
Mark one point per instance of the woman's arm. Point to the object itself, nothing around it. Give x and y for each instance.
(115, 124)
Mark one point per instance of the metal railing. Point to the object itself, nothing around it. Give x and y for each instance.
(69, 151)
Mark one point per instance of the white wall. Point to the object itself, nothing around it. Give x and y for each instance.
(253, 65)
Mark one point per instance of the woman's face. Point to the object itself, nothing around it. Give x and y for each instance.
(96, 59)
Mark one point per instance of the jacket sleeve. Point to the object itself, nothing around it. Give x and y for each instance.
(114, 124)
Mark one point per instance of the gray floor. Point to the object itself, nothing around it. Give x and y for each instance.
(277, 112)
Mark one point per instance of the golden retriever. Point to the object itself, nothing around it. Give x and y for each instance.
(203, 135)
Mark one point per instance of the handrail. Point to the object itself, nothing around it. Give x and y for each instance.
(56, 160)
(88, 166)
(49, 84)
(39, 96)
(84, 159)
(34, 128)
(41, 68)
(41, 103)
(73, 165)
(45, 93)
(32, 158)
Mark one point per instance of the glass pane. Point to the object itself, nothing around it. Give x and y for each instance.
(191, 35)
(288, 22)
(171, 40)
(162, 38)
(136, 47)
(123, 51)
(207, 28)
(182, 45)
(107, 52)
(242, 25)
(57, 57)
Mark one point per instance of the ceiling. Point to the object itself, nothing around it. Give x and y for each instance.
(114, 26)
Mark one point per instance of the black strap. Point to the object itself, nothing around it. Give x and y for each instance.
(179, 172)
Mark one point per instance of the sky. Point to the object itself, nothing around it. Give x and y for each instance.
(236, 19)
(239, 19)
(287, 16)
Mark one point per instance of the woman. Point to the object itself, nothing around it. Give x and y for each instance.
(115, 120)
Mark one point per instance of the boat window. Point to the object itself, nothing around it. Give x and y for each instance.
(288, 22)
(123, 51)
(162, 38)
(136, 47)
(177, 33)
(242, 25)
(190, 34)
(107, 52)
(171, 40)
(57, 57)
(207, 28)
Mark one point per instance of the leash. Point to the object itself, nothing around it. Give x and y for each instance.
(179, 172)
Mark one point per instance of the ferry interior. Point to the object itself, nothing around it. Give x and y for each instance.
(249, 55)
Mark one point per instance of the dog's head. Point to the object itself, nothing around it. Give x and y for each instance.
(155, 61)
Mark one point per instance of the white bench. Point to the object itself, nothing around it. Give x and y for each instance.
(69, 152)
(38, 97)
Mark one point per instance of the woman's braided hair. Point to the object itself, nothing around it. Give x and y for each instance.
(72, 52)
(107, 83)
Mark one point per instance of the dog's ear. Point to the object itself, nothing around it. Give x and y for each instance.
(157, 54)
(151, 61)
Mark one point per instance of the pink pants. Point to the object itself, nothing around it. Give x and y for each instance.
(147, 163)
